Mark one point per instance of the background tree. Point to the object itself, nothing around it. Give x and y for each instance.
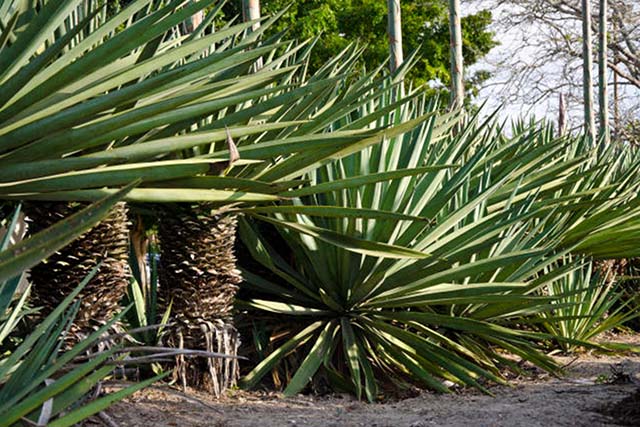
(603, 77)
(395, 34)
(457, 69)
(425, 25)
(587, 68)
(542, 57)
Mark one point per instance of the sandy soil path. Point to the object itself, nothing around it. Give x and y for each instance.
(540, 400)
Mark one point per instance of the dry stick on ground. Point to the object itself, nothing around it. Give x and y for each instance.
(107, 420)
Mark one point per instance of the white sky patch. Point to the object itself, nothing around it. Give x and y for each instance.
(536, 91)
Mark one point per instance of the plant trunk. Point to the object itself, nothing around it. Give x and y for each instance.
(457, 67)
(198, 277)
(251, 11)
(587, 57)
(395, 35)
(56, 277)
(603, 75)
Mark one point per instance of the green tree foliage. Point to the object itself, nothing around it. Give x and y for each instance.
(424, 26)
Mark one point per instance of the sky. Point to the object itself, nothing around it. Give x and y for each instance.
(513, 48)
(518, 98)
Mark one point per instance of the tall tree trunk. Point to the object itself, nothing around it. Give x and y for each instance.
(251, 11)
(603, 75)
(587, 57)
(395, 34)
(455, 30)
(616, 105)
(562, 115)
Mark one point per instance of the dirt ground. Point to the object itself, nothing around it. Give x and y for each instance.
(592, 382)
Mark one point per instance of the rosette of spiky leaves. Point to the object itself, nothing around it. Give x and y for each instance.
(590, 302)
(597, 186)
(467, 237)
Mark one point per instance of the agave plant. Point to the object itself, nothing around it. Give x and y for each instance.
(41, 383)
(90, 102)
(466, 226)
(590, 303)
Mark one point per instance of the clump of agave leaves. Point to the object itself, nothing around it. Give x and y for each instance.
(590, 301)
(91, 102)
(477, 227)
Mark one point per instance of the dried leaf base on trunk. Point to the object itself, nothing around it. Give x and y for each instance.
(60, 274)
(198, 277)
(215, 375)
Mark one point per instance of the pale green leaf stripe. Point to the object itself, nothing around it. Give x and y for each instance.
(353, 244)
(29, 252)
(116, 175)
(175, 143)
(108, 177)
(226, 182)
(49, 168)
(152, 195)
(358, 181)
(334, 212)
(284, 308)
